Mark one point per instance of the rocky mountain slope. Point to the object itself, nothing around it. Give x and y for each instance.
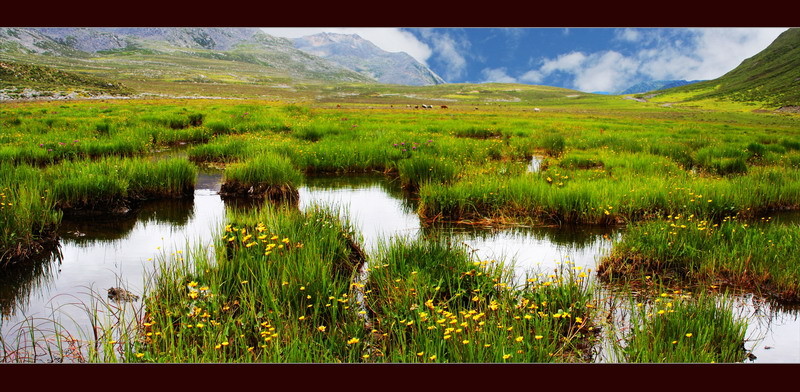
(355, 53)
(169, 53)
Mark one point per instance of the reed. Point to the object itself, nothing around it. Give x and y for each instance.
(277, 289)
(267, 175)
(676, 328)
(28, 219)
(759, 256)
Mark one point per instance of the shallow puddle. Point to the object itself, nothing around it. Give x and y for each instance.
(97, 254)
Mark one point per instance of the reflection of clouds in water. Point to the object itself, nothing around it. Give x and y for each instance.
(98, 253)
(373, 212)
(379, 210)
(536, 249)
(773, 330)
(535, 255)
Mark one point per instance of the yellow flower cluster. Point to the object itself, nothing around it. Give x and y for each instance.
(270, 242)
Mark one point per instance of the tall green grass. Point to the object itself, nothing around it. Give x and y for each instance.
(429, 301)
(266, 175)
(111, 182)
(27, 217)
(760, 256)
(681, 329)
(419, 170)
(277, 289)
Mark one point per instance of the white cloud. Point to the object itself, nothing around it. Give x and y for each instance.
(608, 71)
(723, 49)
(565, 63)
(691, 54)
(532, 76)
(601, 71)
(388, 39)
(497, 75)
(629, 35)
(450, 51)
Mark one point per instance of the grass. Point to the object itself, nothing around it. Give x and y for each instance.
(269, 175)
(676, 328)
(431, 302)
(27, 217)
(419, 170)
(112, 183)
(278, 291)
(283, 286)
(607, 161)
(757, 255)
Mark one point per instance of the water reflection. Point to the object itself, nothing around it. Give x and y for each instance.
(374, 204)
(86, 231)
(19, 281)
(99, 253)
(536, 164)
(533, 250)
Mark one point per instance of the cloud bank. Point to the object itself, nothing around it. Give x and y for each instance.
(662, 54)
(450, 50)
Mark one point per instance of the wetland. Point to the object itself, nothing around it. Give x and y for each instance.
(280, 232)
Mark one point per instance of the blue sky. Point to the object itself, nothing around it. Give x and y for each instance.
(584, 59)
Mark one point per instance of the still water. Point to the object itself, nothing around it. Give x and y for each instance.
(100, 253)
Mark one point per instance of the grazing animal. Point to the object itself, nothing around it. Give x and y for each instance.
(416, 106)
(444, 106)
(338, 106)
(535, 109)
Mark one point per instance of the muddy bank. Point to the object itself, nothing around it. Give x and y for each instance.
(276, 193)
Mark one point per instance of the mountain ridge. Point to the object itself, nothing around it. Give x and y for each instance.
(96, 45)
(355, 53)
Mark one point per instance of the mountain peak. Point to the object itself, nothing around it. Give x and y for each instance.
(361, 55)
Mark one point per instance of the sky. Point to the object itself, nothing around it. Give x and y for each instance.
(583, 59)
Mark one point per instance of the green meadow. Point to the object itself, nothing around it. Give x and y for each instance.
(693, 187)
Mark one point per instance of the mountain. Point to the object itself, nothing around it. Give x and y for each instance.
(655, 85)
(771, 77)
(355, 53)
(244, 56)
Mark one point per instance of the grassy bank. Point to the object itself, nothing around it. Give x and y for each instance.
(28, 218)
(677, 328)
(760, 256)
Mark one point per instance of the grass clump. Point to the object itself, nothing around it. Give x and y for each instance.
(28, 219)
(681, 329)
(757, 256)
(553, 144)
(267, 175)
(116, 184)
(421, 169)
(430, 302)
(276, 290)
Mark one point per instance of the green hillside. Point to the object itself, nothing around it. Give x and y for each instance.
(772, 77)
(39, 77)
